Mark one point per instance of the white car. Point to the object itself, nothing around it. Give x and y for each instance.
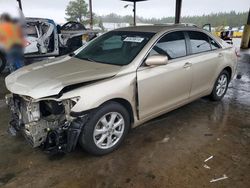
(44, 38)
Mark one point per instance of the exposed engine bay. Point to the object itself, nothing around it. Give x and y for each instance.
(45, 123)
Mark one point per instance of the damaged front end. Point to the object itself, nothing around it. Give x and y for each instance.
(45, 123)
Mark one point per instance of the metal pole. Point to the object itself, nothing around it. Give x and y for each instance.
(248, 19)
(20, 4)
(134, 13)
(91, 14)
(178, 11)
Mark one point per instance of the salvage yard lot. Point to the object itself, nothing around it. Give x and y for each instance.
(166, 152)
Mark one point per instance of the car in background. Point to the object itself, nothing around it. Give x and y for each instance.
(44, 38)
(116, 82)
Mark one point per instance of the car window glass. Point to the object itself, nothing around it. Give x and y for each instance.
(115, 47)
(30, 30)
(72, 26)
(173, 45)
(114, 42)
(199, 42)
(214, 45)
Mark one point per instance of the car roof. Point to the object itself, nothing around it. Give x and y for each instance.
(33, 19)
(157, 28)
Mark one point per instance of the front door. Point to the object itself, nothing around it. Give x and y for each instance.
(165, 86)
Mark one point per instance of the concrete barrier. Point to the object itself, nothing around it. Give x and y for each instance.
(245, 42)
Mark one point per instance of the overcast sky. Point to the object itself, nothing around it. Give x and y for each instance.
(55, 9)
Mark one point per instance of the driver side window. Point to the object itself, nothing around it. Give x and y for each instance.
(172, 45)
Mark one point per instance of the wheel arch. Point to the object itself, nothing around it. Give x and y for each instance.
(126, 104)
(229, 70)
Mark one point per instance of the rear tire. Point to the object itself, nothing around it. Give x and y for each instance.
(106, 129)
(2, 62)
(220, 86)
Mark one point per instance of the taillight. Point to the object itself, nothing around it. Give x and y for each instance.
(26, 43)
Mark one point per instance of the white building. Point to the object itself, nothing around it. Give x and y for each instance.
(110, 26)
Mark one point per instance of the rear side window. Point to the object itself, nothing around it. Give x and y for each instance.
(173, 45)
(199, 42)
(214, 45)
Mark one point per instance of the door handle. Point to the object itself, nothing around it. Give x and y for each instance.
(187, 65)
(220, 54)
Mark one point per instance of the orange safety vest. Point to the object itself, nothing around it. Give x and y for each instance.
(10, 35)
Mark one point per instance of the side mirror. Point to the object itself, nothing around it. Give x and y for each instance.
(155, 60)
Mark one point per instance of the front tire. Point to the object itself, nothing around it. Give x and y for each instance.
(106, 129)
(220, 86)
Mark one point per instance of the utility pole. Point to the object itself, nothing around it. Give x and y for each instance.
(178, 11)
(134, 7)
(91, 14)
(134, 13)
(20, 4)
(248, 18)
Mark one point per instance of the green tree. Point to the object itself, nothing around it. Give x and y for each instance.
(77, 10)
(231, 18)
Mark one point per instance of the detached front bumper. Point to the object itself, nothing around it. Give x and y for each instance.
(49, 128)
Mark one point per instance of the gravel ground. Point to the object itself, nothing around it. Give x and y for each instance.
(166, 152)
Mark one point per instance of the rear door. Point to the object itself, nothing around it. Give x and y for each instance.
(162, 87)
(205, 59)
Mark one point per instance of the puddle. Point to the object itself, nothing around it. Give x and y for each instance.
(6, 178)
(245, 78)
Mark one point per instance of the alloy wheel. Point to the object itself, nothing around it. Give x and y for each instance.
(221, 85)
(108, 130)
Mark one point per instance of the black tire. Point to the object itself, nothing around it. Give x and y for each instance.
(86, 138)
(214, 96)
(2, 62)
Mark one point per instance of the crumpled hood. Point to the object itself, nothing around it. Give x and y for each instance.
(50, 77)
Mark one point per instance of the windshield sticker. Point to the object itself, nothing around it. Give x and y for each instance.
(133, 39)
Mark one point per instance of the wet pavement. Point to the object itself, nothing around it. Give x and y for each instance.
(166, 152)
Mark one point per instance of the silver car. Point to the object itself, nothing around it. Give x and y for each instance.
(116, 82)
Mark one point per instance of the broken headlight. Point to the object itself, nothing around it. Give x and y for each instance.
(70, 103)
(51, 107)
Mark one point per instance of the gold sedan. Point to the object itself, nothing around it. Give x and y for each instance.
(119, 80)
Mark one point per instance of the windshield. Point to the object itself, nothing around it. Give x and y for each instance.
(115, 47)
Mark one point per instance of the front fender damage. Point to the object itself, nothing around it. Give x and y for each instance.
(48, 122)
(65, 138)
(50, 128)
